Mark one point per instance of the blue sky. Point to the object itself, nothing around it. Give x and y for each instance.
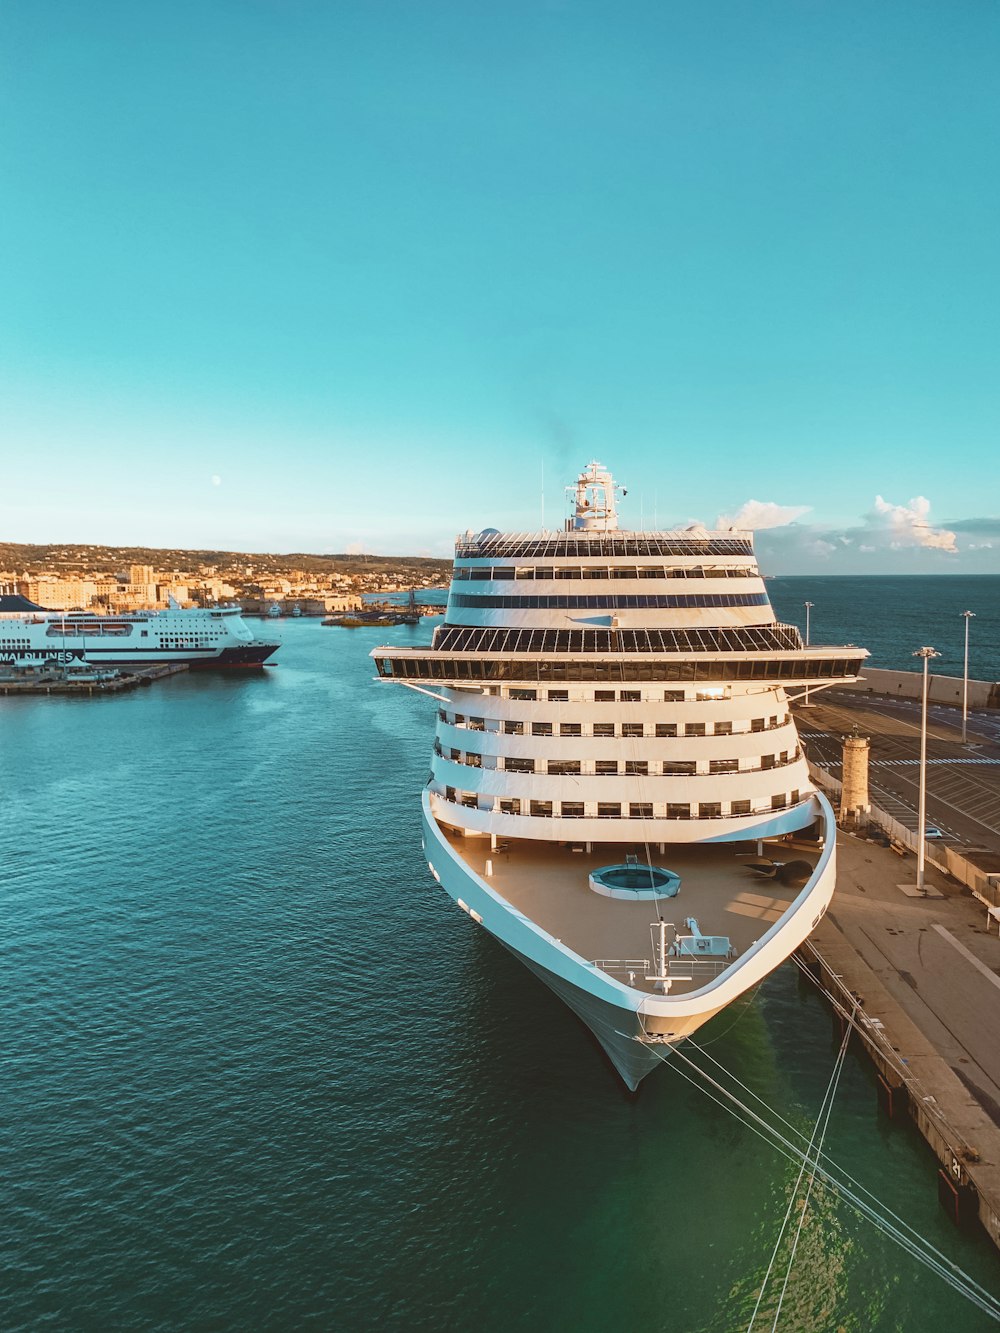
(327, 275)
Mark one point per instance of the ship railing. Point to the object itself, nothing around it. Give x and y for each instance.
(688, 966)
(627, 967)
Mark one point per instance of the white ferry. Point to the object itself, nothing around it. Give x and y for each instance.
(616, 776)
(201, 637)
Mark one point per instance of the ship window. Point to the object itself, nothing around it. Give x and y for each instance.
(513, 728)
(767, 761)
(541, 728)
(594, 572)
(449, 793)
(513, 765)
(779, 802)
(524, 694)
(673, 696)
(145, 635)
(640, 810)
(469, 799)
(795, 796)
(510, 805)
(630, 696)
(783, 757)
(455, 755)
(739, 808)
(474, 760)
(774, 720)
(757, 724)
(604, 728)
(604, 696)
(568, 572)
(694, 729)
(558, 696)
(723, 766)
(649, 572)
(572, 809)
(606, 767)
(723, 729)
(666, 728)
(609, 810)
(541, 808)
(709, 810)
(681, 768)
(459, 720)
(631, 728)
(570, 729)
(636, 767)
(675, 810)
(564, 767)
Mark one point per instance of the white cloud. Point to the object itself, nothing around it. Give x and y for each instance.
(756, 515)
(216, 479)
(907, 525)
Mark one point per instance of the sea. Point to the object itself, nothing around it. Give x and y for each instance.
(257, 1072)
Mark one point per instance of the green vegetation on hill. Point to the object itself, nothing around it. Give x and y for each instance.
(57, 557)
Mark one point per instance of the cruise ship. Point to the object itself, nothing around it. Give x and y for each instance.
(200, 637)
(617, 789)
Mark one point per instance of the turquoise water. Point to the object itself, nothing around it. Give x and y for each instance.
(259, 1073)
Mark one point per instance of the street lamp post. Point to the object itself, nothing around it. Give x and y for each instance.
(809, 607)
(966, 616)
(926, 654)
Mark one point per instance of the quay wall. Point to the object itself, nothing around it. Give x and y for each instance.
(941, 689)
(905, 1083)
(914, 1078)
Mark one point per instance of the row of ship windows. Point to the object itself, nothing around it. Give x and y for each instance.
(668, 768)
(609, 602)
(507, 572)
(603, 545)
(617, 810)
(448, 668)
(708, 695)
(626, 730)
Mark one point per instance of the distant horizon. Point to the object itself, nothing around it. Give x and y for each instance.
(448, 559)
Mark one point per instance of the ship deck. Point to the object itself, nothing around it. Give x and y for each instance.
(548, 882)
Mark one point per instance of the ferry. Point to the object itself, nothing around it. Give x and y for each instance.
(200, 638)
(617, 790)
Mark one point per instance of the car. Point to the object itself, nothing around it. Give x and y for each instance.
(930, 831)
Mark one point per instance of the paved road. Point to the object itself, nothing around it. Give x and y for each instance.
(963, 782)
(935, 956)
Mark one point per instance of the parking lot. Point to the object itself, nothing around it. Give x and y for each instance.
(963, 781)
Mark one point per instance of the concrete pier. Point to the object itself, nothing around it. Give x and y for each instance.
(925, 975)
(57, 683)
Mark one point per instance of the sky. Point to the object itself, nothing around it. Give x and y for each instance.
(298, 275)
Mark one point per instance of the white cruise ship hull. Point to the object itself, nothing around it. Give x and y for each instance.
(617, 790)
(631, 1024)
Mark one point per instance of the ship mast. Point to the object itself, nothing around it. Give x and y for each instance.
(594, 500)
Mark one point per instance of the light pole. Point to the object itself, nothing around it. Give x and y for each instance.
(926, 654)
(809, 607)
(966, 616)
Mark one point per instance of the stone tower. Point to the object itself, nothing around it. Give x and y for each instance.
(854, 803)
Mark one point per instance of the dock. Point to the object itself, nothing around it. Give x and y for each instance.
(920, 975)
(88, 684)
